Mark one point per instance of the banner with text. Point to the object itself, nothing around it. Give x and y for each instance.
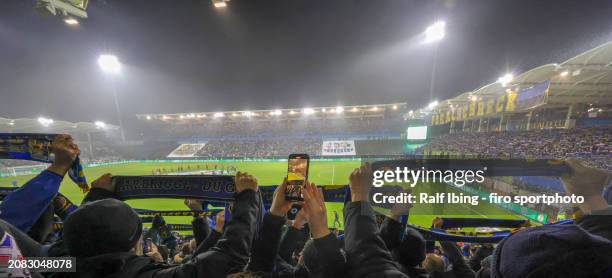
(338, 148)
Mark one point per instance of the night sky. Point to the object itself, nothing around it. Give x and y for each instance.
(187, 56)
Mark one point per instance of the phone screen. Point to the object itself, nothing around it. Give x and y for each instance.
(297, 173)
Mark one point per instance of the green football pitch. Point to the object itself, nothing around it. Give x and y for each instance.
(272, 173)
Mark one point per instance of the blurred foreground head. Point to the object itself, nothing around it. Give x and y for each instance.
(553, 251)
(100, 227)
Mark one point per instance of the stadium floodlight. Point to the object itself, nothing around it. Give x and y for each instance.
(292, 112)
(109, 63)
(218, 115)
(71, 21)
(433, 104)
(564, 73)
(45, 121)
(473, 98)
(165, 117)
(219, 3)
(339, 109)
(181, 116)
(11, 123)
(247, 114)
(308, 111)
(354, 109)
(435, 32)
(394, 107)
(100, 124)
(505, 79)
(201, 116)
(277, 112)
(375, 108)
(148, 117)
(411, 112)
(323, 110)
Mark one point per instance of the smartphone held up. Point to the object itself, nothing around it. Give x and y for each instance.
(297, 174)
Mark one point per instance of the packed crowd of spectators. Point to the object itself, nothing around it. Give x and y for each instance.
(260, 148)
(107, 239)
(221, 128)
(593, 145)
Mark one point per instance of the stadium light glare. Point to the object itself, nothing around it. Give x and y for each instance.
(411, 112)
(323, 110)
(234, 114)
(375, 108)
(473, 98)
(308, 111)
(182, 116)
(71, 21)
(247, 114)
(109, 63)
(505, 79)
(394, 107)
(45, 121)
(220, 3)
(292, 112)
(11, 123)
(433, 104)
(201, 116)
(100, 124)
(435, 32)
(564, 73)
(277, 112)
(148, 117)
(354, 109)
(339, 109)
(218, 115)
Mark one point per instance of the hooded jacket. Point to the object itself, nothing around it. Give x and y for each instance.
(229, 255)
(367, 254)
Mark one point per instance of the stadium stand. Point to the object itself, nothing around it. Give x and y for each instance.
(593, 145)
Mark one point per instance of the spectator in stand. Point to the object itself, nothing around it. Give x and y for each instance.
(593, 145)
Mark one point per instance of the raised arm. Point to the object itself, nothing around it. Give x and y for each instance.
(24, 206)
(367, 254)
(266, 246)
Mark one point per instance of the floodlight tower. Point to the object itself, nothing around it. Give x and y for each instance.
(434, 34)
(111, 66)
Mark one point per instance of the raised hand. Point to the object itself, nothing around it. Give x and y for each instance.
(280, 206)
(194, 204)
(219, 221)
(65, 152)
(437, 223)
(154, 253)
(244, 181)
(587, 182)
(360, 182)
(301, 218)
(400, 209)
(104, 182)
(314, 207)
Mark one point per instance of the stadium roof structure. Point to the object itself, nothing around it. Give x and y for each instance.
(27, 125)
(586, 78)
(351, 111)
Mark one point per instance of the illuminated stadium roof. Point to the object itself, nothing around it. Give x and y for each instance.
(42, 124)
(586, 78)
(351, 111)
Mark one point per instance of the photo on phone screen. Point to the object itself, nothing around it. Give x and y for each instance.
(297, 173)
